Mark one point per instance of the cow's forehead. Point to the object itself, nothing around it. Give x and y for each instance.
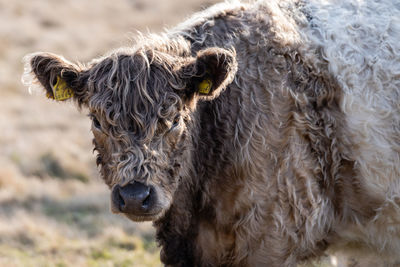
(132, 92)
(131, 83)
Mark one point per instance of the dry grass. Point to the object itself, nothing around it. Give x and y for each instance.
(54, 209)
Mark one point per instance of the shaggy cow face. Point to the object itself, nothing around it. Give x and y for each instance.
(142, 105)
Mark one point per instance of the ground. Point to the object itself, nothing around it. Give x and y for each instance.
(54, 208)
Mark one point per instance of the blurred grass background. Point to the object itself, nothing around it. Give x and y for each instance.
(54, 207)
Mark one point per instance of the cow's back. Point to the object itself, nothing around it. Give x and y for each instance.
(358, 42)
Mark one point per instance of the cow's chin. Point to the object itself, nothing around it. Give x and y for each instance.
(156, 214)
(144, 218)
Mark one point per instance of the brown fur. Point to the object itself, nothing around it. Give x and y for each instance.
(257, 172)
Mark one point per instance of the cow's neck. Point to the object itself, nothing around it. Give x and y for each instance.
(192, 220)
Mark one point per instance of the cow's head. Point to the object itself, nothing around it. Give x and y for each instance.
(141, 102)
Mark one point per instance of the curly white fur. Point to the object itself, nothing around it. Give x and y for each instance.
(359, 43)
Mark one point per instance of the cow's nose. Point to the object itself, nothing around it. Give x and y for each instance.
(133, 198)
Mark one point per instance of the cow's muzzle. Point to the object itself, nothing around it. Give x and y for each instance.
(136, 200)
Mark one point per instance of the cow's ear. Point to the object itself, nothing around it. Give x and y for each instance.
(60, 78)
(211, 72)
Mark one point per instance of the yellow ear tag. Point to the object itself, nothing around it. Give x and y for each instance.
(205, 86)
(61, 91)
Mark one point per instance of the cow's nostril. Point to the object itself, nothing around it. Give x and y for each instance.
(135, 198)
(121, 201)
(147, 201)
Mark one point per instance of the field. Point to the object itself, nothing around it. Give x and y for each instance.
(54, 207)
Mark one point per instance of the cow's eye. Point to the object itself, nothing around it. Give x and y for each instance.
(176, 121)
(96, 123)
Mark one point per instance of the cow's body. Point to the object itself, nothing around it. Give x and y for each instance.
(301, 152)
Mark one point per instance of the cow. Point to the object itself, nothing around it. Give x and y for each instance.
(253, 134)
